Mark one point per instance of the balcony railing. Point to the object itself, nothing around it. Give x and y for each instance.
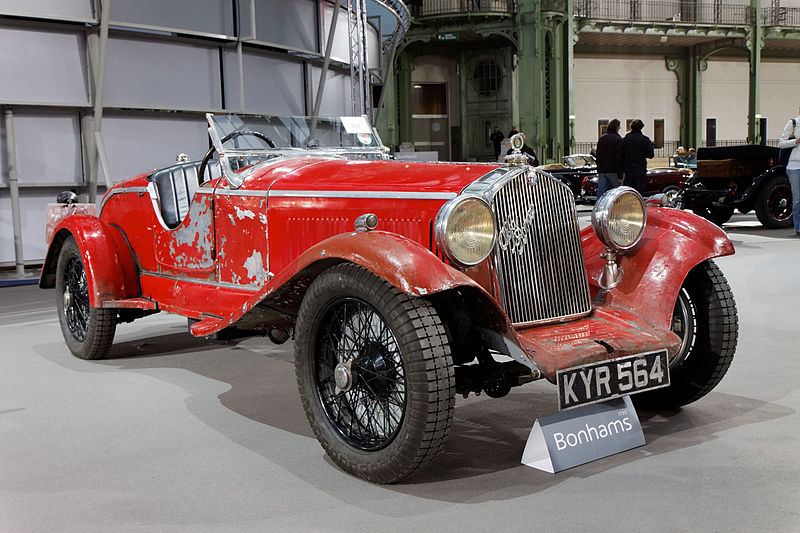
(780, 16)
(652, 11)
(425, 8)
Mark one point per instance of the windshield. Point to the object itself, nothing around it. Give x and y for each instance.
(250, 132)
(240, 140)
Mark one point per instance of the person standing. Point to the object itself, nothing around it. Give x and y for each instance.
(635, 149)
(609, 170)
(788, 140)
(496, 137)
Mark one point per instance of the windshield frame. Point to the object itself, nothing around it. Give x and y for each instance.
(371, 147)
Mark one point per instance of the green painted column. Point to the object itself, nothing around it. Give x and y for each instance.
(545, 71)
(387, 116)
(688, 71)
(755, 41)
(530, 73)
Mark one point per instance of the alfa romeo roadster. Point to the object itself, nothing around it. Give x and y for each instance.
(402, 284)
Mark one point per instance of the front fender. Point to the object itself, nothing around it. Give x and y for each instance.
(409, 266)
(673, 243)
(110, 270)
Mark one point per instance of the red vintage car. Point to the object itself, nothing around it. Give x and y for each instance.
(402, 284)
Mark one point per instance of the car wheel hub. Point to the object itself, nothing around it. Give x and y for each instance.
(343, 376)
(67, 299)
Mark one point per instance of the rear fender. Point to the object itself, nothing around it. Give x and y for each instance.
(750, 194)
(673, 243)
(110, 269)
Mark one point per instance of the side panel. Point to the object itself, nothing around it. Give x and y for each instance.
(295, 224)
(110, 270)
(674, 242)
(241, 241)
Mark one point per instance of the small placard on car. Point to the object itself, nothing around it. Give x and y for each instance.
(596, 382)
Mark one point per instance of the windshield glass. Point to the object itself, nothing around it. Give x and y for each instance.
(251, 132)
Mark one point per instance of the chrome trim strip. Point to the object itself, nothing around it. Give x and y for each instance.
(253, 288)
(238, 192)
(365, 194)
(121, 190)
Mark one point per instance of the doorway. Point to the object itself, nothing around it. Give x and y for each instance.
(430, 125)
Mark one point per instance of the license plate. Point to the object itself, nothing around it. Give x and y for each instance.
(597, 382)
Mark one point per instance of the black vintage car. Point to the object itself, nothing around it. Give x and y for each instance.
(746, 177)
(572, 171)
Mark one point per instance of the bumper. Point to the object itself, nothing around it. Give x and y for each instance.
(608, 333)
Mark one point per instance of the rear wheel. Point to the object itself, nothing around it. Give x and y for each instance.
(375, 374)
(718, 214)
(706, 320)
(88, 331)
(774, 203)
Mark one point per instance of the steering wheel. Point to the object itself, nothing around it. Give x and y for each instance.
(202, 170)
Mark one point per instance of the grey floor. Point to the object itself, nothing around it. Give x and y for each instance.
(174, 433)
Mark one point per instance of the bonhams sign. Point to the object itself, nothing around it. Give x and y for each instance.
(583, 434)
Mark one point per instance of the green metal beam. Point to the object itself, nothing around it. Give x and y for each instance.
(755, 41)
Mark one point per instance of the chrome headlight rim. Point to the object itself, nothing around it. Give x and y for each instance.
(440, 229)
(601, 217)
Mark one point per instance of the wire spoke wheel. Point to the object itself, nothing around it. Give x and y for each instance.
(684, 324)
(706, 321)
(76, 299)
(375, 374)
(88, 331)
(367, 405)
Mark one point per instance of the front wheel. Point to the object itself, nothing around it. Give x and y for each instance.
(774, 203)
(88, 331)
(375, 374)
(706, 321)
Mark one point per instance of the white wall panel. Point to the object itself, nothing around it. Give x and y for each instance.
(205, 16)
(631, 88)
(273, 85)
(42, 66)
(136, 144)
(725, 97)
(780, 94)
(337, 99)
(32, 219)
(161, 74)
(60, 9)
(48, 147)
(288, 23)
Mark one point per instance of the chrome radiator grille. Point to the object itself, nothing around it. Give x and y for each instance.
(538, 256)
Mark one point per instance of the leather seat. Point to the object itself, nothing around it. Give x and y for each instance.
(176, 186)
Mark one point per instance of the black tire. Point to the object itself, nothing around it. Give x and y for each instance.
(394, 414)
(88, 331)
(774, 203)
(718, 214)
(705, 318)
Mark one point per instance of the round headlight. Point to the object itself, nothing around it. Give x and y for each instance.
(619, 218)
(464, 230)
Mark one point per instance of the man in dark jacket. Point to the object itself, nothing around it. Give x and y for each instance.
(635, 149)
(496, 137)
(609, 170)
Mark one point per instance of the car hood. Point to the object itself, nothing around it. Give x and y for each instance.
(325, 174)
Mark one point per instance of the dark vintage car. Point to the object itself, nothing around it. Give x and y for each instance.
(402, 284)
(660, 180)
(745, 178)
(573, 170)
